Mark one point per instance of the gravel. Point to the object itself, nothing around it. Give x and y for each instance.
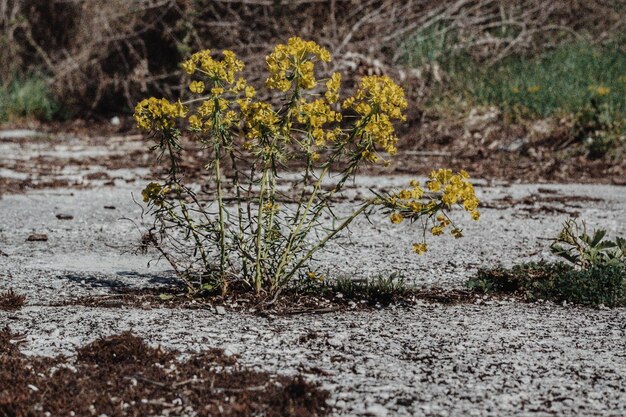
(490, 359)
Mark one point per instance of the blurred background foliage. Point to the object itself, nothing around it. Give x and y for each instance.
(529, 57)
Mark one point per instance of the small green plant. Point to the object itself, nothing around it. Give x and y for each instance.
(595, 275)
(381, 289)
(245, 226)
(588, 250)
(27, 97)
(600, 284)
(533, 280)
(571, 78)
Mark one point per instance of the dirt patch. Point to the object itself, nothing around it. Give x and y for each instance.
(79, 154)
(289, 303)
(11, 301)
(9, 342)
(123, 376)
(539, 203)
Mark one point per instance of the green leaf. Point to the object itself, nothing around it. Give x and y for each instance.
(598, 236)
(166, 297)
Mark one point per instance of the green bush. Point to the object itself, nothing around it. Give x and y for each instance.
(570, 78)
(29, 98)
(600, 284)
(531, 280)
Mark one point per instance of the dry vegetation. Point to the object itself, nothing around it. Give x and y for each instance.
(105, 55)
(123, 376)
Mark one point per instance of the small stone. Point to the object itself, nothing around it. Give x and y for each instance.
(231, 350)
(376, 410)
(62, 216)
(220, 310)
(115, 121)
(37, 237)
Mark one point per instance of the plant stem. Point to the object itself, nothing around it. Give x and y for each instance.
(218, 184)
(323, 242)
(259, 232)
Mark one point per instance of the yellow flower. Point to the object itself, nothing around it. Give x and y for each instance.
(315, 276)
(294, 61)
(196, 87)
(602, 91)
(189, 66)
(437, 230)
(159, 114)
(475, 215)
(249, 92)
(332, 88)
(405, 194)
(457, 233)
(434, 186)
(396, 218)
(533, 89)
(194, 122)
(420, 248)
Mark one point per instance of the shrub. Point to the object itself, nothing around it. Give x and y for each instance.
(244, 226)
(27, 97)
(600, 284)
(586, 251)
(531, 280)
(596, 273)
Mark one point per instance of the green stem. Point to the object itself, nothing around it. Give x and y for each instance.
(293, 233)
(218, 184)
(259, 232)
(323, 242)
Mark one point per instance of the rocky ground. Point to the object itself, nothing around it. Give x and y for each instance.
(488, 358)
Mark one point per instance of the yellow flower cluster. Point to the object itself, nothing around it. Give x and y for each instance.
(599, 90)
(332, 88)
(456, 189)
(408, 203)
(294, 61)
(212, 113)
(378, 94)
(196, 87)
(379, 101)
(413, 203)
(153, 113)
(420, 248)
(154, 193)
(223, 70)
(260, 120)
(315, 115)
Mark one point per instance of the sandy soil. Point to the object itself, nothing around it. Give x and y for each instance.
(491, 358)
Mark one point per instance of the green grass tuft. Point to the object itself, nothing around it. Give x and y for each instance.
(28, 98)
(571, 78)
(600, 284)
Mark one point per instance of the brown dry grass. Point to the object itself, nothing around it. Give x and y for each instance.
(11, 301)
(105, 55)
(123, 376)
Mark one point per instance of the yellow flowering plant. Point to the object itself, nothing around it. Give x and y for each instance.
(244, 226)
